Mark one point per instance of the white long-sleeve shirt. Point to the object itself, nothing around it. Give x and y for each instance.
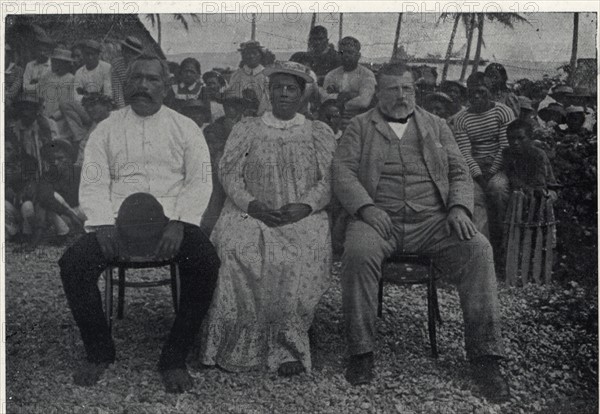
(360, 82)
(164, 154)
(95, 80)
(34, 71)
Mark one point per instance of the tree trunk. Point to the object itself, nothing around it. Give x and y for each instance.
(470, 31)
(574, 47)
(158, 27)
(477, 58)
(341, 25)
(397, 38)
(253, 27)
(450, 46)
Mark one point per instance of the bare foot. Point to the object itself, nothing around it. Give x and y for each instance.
(287, 369)
(177, 380)
(89, 373)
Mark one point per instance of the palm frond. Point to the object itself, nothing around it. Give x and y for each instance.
(151, 18)
(179, 17)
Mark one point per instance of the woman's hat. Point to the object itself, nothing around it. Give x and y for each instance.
(140, 222)
(439, 96)
(62, 54)
(250, 44)
(291, 68)
(133, 43)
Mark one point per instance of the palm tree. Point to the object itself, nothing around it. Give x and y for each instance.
(155, 20)
(506, 19)
(470, 28)
(574, 46)
(397, 38)
(457, 17)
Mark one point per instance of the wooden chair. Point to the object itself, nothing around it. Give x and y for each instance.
(404, 278)
(137, 263)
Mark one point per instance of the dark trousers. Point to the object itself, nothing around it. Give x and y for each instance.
(81, 266)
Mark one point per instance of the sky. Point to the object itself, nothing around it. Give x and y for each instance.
(547, 38)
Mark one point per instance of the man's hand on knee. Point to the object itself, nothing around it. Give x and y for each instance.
(170, 242)
(378, 219)
(459, 222)
(107, 239)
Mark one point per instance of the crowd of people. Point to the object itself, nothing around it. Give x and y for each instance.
(252, 184)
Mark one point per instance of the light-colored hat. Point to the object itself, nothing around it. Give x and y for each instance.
(561, 89)
(134, 44)
(92, 44)
(575, 109)
(439, 96)
(291, 68)
(525, 103)
(62, 54)
(45, 40)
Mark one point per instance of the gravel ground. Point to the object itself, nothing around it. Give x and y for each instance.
(551, 340)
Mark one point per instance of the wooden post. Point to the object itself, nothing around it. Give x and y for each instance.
(574, 47)
(253, 32)
(341, 25)
(313, 21)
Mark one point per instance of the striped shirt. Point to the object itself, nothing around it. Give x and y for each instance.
(482, 137)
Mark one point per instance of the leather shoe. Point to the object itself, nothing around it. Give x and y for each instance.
(491, 382)
(360, 369)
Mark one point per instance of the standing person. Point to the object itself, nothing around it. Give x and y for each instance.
(58, 86)
(480, 133)
(131, 48)
(13, 77)
(215, 84)
(401, 178)
(322, 54)
(272, 234)
(94, 75)
(249, 81)
(32, 128)
(189, 85)
(499, 90)
(351, 84)
(36, 69)
(169, 152)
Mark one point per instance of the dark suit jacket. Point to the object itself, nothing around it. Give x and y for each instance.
(361, 154)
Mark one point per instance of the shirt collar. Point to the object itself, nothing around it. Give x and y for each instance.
(138, 118)
(254, 71)
(270, 119)
(189, 88)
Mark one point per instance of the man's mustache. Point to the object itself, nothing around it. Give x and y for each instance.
(141, 94)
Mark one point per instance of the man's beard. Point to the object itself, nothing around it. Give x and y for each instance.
(398, 110)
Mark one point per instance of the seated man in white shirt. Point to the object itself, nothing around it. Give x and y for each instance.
(143, 148)
(36, 69)
(351, 84)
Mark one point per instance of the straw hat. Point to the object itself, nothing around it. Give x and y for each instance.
(291, 68)
(62, 54)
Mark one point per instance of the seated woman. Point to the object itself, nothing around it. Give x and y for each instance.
(273, 234)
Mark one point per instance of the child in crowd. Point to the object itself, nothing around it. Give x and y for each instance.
(56, 196)
(329, 113)
(527, 167)
(21, 174)
(189, 85)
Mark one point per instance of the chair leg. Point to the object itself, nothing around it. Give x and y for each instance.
(108, 296)
(431, 316)
(121, 300)
(380, 299)
(175, 288)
